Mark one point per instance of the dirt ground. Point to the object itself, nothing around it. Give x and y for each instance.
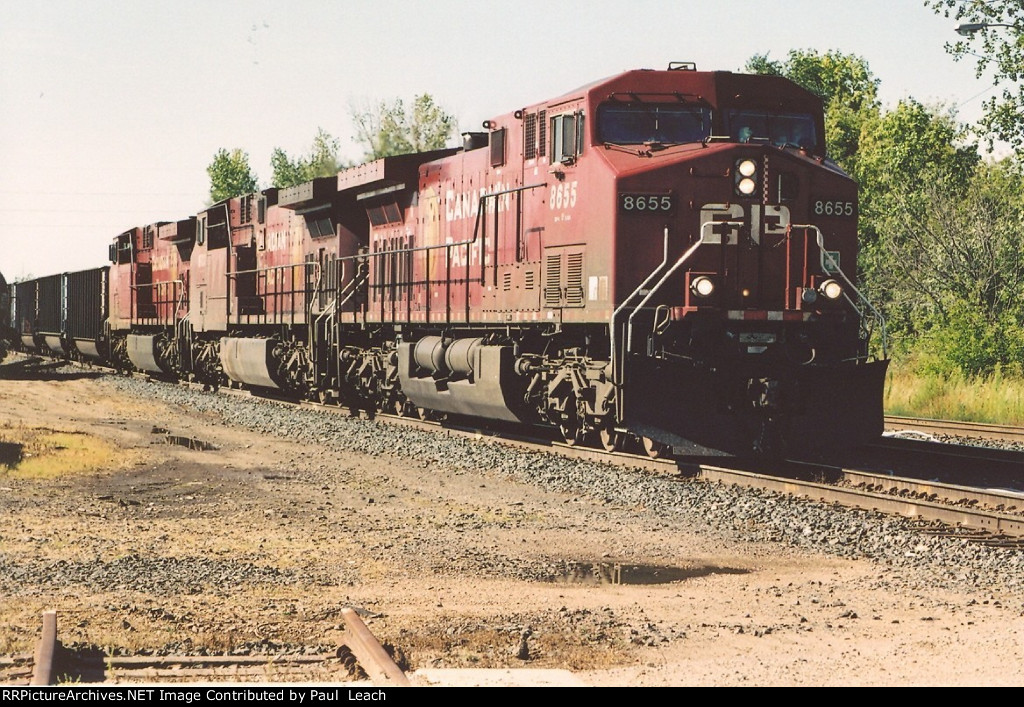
(261, 543)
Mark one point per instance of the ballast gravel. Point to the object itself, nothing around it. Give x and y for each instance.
(716, 509)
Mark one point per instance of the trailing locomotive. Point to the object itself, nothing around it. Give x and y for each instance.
(665, 255)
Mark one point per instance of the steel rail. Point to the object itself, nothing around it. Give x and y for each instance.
(992, 520)
(956, 428)
(370, 653)
(46, 649)
(996, 522)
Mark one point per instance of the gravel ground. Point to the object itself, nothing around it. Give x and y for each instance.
(469, 553)
(726, 510)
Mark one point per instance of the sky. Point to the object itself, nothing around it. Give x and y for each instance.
(110, 111)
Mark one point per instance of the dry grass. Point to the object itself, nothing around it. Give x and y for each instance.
(44, 453)
(997, 399)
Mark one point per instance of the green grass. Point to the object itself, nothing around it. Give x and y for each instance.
(997, 398)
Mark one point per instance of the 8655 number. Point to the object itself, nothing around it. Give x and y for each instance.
(646, 203)
(825, 207)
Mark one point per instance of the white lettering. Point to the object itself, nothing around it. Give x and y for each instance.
(769, 219)
(466, 204)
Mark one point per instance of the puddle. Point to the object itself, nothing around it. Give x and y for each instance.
(627, 573)
(189, 442)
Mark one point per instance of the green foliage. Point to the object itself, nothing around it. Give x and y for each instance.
(902, 151)
(948, 267)
(321, 161)
(999, 49)
(230, 175)
(836, 78)
(846, 86)
(389, 129)
(910, 143)
(914, 390)
(971, 344)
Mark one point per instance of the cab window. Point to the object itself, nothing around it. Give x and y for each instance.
(567, 137)
(643, 123)
(777, 128)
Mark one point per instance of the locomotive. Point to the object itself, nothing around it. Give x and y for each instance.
(663, 255)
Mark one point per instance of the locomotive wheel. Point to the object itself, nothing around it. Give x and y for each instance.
(611, 441)
(655, 449)
(572, 433)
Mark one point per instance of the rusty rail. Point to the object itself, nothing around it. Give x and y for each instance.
(370, 653)
(42, 672)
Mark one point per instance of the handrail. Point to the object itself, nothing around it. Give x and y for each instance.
(682, 259)
(304, 263)
(628, 345)
(303, 288)
(455, 244)
(824, 254)
(468, 242)
(351, 285)
(178, 286)
(612, 335)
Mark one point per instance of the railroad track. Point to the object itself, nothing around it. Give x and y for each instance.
(974, 430)
(361, 656)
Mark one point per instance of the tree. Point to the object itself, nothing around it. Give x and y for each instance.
(833, 76)
(954, 268)
(389, 129)
(909, 158)
(230, 175)
(322, 161)
(999, 48)
(846, 86)
(908, 147)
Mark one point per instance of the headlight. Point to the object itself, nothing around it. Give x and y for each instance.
(831, 289)
(746, 187)
(702, 286)
(745, 177)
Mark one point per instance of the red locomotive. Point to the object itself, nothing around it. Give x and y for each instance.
(665, 255)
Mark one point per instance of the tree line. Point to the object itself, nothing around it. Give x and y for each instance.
(384, 129)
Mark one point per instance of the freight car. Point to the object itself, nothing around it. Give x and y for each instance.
(62, 315)
(666, 256)
(6, 330)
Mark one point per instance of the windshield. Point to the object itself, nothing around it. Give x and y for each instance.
(777, 128)
(637, 123)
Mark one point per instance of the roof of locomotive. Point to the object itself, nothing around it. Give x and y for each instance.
(710, 86)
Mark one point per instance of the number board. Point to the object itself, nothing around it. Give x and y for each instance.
(834, 208)
(647, 203)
